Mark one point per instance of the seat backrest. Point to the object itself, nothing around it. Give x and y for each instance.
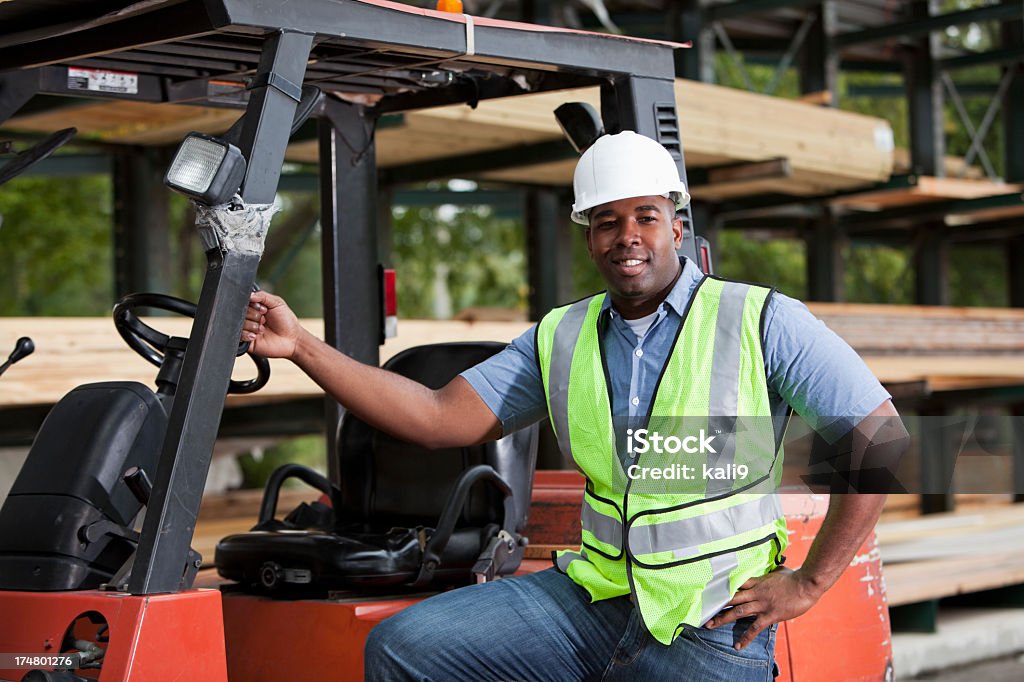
(73, 479)
(387, 483)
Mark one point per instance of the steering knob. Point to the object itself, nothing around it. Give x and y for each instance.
(23, 347)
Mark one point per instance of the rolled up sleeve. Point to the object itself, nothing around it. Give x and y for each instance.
(814, 370)
(510, 384)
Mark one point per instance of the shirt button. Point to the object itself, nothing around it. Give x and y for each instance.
(635, 401)
(639, 352)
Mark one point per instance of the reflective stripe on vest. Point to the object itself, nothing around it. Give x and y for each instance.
(684, 537)
(603, 527)
(563, 560)
(723, 393)
(566, 335)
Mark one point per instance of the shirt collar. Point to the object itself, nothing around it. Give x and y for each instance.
(677, 297)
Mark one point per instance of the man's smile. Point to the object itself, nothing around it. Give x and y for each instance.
(630, 266)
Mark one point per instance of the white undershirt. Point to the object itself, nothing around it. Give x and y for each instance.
(641, 324)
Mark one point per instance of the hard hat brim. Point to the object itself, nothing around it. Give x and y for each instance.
(581, 214)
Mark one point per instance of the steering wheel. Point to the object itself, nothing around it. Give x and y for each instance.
(28, 158)
(152, 345)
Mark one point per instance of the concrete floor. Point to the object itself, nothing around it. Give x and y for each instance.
(1002, 670)
(968, 640)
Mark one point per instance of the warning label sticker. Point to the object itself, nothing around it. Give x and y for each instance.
(97, 80)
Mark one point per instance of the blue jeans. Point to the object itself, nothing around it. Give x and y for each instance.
(544, 627)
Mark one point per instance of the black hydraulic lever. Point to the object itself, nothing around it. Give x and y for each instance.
(23, 347)
(140, 485)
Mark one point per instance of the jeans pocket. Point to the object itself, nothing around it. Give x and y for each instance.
(758, 655)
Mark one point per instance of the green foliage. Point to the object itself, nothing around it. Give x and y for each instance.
(977, 275)
(257, 465)
(185, 251)
(878, 274)
(55, 242)
(741, 71)
(776, 262)
(585, 278)
(447, 257)
(295, 271)
(463, 254)
(892, 109)
(299, 281)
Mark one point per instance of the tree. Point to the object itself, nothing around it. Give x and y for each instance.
(55, 241)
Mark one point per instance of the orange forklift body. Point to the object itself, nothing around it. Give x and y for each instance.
(846, 636)
(158, 638)
(201, 636)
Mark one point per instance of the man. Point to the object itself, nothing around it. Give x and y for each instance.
(643, 598)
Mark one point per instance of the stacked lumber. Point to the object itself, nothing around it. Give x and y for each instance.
(905, 507)
(817, 150)
(944, 348)
(943, 555)
(142, 123)
(925, 330)
(826, 149)
(926, 190)
(76, 350)
(937, 348)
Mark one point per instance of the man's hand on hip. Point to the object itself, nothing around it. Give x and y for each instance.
(778, 596)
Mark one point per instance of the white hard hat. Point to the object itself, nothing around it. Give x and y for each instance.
(623, 166)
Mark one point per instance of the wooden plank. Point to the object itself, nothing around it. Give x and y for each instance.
(986, 215)
(822, 98)
(130, 122)
(968, 540)
(958, 313)
(533, 551)
(754, 170)
(949, 525)
(925, 580)
(944, 555)
(928, 190)
(73, 351)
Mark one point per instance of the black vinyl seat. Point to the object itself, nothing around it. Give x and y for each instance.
(402, 515)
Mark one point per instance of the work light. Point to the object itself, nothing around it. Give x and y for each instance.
(206, 169)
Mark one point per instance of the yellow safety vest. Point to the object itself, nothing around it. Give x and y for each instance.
(681, 546)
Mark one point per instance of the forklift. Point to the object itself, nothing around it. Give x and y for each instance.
(86, 596)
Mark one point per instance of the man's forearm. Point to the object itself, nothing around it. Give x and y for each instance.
(878, 444)
(849, 520)
(395, 404)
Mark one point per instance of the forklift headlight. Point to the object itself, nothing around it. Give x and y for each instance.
(206, 169)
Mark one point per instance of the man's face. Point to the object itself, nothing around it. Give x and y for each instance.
(633, 242)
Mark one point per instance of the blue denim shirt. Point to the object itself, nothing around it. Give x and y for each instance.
(809, 367)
